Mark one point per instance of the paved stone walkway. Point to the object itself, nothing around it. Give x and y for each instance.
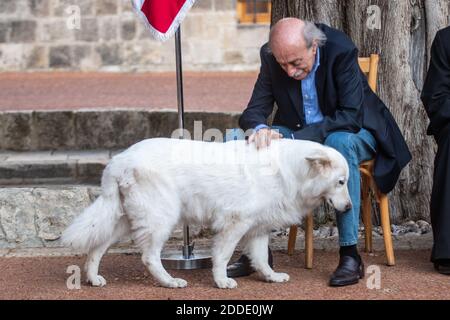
(211, 91)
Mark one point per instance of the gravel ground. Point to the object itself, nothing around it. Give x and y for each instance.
(45, 278)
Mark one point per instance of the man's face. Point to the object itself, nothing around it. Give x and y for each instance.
(296, 60)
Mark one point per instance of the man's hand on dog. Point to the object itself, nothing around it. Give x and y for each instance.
(263, 137)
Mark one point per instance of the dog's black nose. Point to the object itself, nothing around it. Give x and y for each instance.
(348, 206)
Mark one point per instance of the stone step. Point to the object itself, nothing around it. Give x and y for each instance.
(53, 167)
(100, 129)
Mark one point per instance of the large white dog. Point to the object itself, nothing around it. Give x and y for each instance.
(241, 192)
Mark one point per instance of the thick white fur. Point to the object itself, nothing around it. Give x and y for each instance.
(243, 194)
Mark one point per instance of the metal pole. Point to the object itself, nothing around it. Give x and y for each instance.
(187, 251)
(187, 259)
(180, 96)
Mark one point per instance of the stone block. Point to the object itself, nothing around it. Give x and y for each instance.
(4, 32)
(128, 30)
(56, 208)
(60, 57)
(252, 57)
(162, 124)
(13, 56)
(55, 31)
(88, 31)
(53, 130)
(110, 54)
(113, 129)
(196, 26)
(23, 31)
(225, 5)
(17, 217)
(206, 52)
(38, 58)
(15, 130)
(106, 7)
(143, 53)
(125, 7)
(108, 29)
(81, 55)
(39, 8)
(233, 57)
(8, 6)
(251, 37)
(134, 127)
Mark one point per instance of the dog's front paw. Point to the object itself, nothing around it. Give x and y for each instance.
(176, 283)
(226, 283)
(277, 277)
(97, 281)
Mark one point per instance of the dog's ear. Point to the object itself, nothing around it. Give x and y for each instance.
(319, 161)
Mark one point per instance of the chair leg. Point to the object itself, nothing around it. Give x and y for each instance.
(386, 225)
(292, 239)
(366, 214)
(309, 248)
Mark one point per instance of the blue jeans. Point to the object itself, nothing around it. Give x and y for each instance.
(355, 148)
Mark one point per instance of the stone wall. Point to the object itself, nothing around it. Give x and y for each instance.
(99, 129)
(38, 35)
(35, 217)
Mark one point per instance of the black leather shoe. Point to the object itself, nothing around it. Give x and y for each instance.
(243, 268)
(348, 272)
(442, 268)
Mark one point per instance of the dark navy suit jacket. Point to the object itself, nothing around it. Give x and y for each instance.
(345, 99)
(436, 91)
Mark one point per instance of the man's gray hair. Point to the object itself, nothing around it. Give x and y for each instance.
(312, 33)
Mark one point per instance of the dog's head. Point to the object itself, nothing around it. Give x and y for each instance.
(330, 174)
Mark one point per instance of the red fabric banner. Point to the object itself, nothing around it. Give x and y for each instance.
(162, 17)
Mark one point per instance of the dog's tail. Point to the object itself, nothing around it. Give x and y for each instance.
(97, 222)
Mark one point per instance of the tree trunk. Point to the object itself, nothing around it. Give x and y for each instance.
(403, 42)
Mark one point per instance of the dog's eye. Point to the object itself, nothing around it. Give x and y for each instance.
(341, 182)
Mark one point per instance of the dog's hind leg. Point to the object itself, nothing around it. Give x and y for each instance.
(256, 249)
(225, 242)
(151, 257)
(95, 254)
(153, 207)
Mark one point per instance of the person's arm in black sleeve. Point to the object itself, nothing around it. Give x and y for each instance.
(261, 103)
(436, 91)
(348, 116)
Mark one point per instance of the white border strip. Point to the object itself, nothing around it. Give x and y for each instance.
(137, 5)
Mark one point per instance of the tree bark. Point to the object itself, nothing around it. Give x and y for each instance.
(403, 42)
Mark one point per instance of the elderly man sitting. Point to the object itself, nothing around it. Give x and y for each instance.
(311, 72)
